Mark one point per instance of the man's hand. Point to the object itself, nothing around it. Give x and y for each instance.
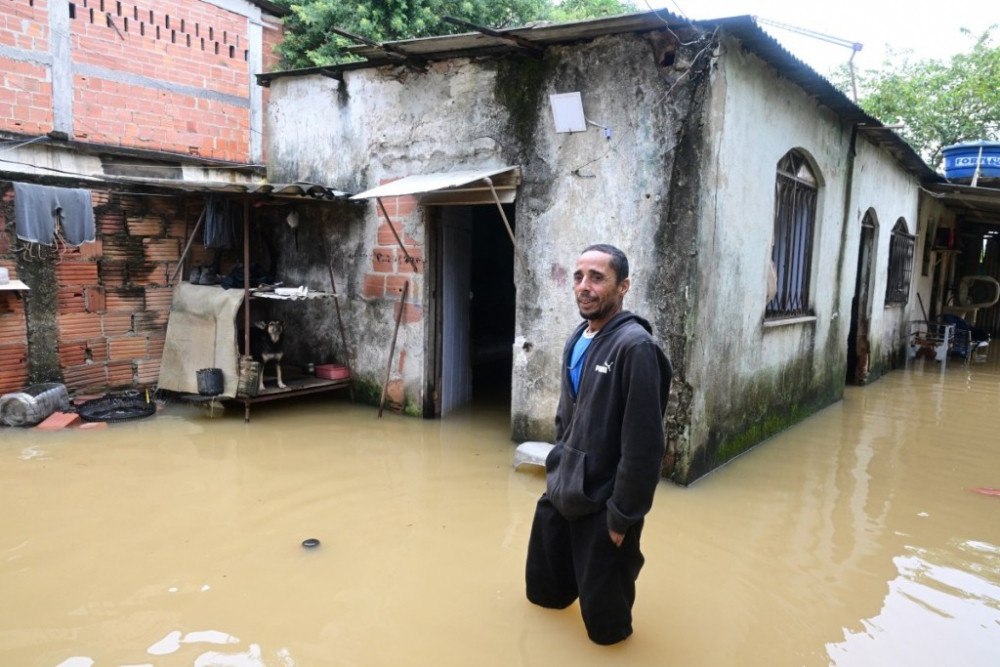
(617, 538)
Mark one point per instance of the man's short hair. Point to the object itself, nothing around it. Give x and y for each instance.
(619, 262)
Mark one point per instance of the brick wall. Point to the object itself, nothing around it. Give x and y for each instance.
(165, 48)
(13, 328)
(25, 88)
(25, 97)
(170, 75)
(13, 339)
(390, 268)
(273, 34)
(113, 297)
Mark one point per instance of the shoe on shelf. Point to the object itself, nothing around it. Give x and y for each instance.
(195, 278)
(208, 277)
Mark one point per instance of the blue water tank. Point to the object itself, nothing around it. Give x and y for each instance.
(960, 160)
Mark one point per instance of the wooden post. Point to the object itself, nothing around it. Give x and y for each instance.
(194, 232)
(392, 348)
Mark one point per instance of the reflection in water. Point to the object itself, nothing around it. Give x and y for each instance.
(172, 642)
(851, 539)
(959, 604)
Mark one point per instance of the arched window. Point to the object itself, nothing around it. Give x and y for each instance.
(795, 191)
(901, 245)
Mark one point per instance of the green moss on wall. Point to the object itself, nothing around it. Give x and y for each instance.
(876, 366)
(760, 408)
(520, 88)
(367, 391)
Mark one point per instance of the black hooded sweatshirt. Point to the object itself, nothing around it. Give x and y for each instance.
(609, 438)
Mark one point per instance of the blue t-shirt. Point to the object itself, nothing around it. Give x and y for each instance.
(576, 359)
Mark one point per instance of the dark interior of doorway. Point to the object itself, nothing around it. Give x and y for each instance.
(492, 307)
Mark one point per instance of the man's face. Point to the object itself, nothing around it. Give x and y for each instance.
(598, 293)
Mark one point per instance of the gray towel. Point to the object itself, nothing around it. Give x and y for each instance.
(35, 209)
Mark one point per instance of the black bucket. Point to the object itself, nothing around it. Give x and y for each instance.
(209, 381)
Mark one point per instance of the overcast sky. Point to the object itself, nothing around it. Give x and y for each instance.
(931, 30)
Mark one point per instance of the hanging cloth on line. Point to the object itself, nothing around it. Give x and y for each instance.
(38, 207)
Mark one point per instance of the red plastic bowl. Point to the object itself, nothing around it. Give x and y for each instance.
(332, 372)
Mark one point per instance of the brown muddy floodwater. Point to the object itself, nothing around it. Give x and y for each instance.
(851, 539)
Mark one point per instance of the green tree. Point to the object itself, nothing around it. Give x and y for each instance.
(578, 10)
(939, 102)
(309, 42)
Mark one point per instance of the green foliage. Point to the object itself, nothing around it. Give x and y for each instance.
(309, 42)
(578, 10)
(941, 102)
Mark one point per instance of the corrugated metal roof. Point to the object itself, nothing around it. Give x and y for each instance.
(296, 190)
(978, 204)
(271, 8)
(477, 44)
(743, 28)
(766, 47)
(542, 33)
(451, 181)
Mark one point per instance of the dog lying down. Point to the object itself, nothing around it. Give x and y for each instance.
(266, 345)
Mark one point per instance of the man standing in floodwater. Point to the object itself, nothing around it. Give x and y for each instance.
(603, 471)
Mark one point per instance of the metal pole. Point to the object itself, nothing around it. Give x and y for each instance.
(510, 232)
(392, 348)
(403, 247)
(854, 82)
(194, 232)
(336, 303)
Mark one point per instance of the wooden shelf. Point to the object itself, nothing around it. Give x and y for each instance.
(298, 383)
(296, 386)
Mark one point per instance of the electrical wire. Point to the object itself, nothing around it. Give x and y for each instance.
(656, 103)
(23, 143)
(58, 171)
(697, 40)
(679, 10)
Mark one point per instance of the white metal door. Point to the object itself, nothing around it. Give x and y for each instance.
(456, 365)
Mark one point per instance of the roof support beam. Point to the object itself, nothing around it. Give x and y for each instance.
(264, 79)
(533, 48)
(389, 50)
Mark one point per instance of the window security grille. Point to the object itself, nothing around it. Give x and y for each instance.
(794, 220)
(901, 246)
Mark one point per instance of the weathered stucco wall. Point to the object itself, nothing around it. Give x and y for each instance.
(312, 333)
(882, 187)
(634, 190)
(750, 377)
(751, 380)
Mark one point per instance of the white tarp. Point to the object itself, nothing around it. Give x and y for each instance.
(201, 333)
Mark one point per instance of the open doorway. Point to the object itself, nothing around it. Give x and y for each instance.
(858, 343)
(475, 309)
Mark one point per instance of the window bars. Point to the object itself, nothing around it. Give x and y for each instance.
(794, 219)
(901, 247)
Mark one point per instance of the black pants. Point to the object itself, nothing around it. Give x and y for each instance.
(569, 559)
